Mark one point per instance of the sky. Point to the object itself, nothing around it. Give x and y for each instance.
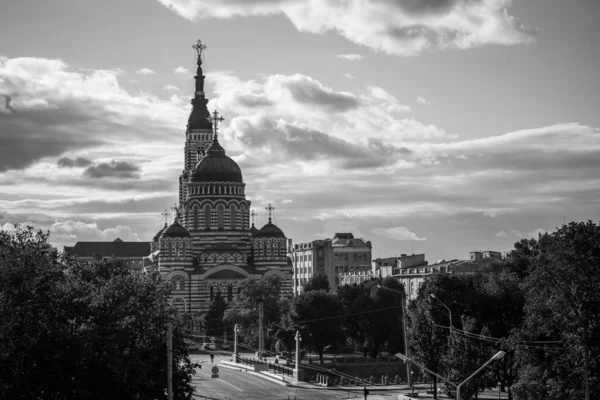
(425, 126)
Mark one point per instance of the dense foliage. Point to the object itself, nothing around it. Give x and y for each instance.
(540, 306)
(83, 330)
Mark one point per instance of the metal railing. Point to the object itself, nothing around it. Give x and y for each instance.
(281, 369)
(248, 360)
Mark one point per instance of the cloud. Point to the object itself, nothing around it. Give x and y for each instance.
(397, 233)
(404, 27)
(114, 169)
(171, 88)
(424, 101)
(528, 235)
(181, 70)
(66, 162)
(348, 75)
(50, 106)
(73, 231)
(145, 71)
(501, 234)
(350, 57)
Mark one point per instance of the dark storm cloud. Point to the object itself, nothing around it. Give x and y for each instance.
(27, 136)
(50, 109)
(66, 162)
(114, 169)
(308, 91)
(292, 142)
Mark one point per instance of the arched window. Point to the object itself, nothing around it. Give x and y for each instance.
(207, 217)
(233, 216)
(243, 224)
(220, 212)
(195, 216)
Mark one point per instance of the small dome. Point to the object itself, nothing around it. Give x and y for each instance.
(253, 230)
(216, 166)
(155, 238)
(175, 230)
(270, 230)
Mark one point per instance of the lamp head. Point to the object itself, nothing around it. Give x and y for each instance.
(499, 355)
(432, 296)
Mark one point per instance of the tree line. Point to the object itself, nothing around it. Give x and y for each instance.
(71, 329)
(540, 305)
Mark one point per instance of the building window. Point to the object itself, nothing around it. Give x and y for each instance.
(233, 216)
(211, 292)
(207, 216)
(220, 211)
(229, 293)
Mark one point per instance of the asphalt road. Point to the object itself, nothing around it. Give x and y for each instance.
(242, 385)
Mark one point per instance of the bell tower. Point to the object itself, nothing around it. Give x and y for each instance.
(199, 132)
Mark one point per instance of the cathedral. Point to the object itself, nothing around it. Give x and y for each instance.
(211, 246)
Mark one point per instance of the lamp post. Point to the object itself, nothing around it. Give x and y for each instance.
(441, 378)
(298, 373)
(406, 349)
(497, 356)
(236, 329)
(433, 296)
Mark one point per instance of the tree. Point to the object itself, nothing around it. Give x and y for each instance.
(254, 294)
(318, 282)
(562, 305)
(316, 313)
(89, 330)
(464, 356)
(427, 342)
(374, 314)
(214, 317)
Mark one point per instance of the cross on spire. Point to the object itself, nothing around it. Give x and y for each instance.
(165, 214)
(252, 216)
(270, 209)
(199, 47)
(175, 209)
(215, 118)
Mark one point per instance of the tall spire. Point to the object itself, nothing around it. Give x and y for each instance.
(252, 215)
(199, 115)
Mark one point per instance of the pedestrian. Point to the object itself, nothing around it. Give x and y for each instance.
(212, 357)
(366, 392)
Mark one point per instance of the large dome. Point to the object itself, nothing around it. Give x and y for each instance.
(175, 230)
(270, 230)
(216, 167)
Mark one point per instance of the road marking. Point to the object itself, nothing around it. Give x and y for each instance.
(232, 385)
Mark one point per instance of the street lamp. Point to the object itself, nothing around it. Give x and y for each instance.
(236, 329)
(406, 349)
(433, 296)
(498, 356)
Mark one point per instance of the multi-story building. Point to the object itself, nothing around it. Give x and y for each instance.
(330, 257)
(412, 277)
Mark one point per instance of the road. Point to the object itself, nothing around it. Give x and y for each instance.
(242, 385)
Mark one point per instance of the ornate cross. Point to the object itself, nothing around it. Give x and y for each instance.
(215, 119)
(175, 209)
(252, 216)
(199, 47)
(270, 209)
(165, 214)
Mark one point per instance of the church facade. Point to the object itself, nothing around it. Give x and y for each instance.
(212, 246)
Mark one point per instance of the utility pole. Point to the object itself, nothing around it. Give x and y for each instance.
(170, 361)
(261, 334)
(236, 329)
